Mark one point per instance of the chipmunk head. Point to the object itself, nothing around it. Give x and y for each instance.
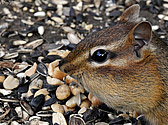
(107, 62)
(115, 47)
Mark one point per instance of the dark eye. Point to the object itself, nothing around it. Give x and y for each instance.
(100, 56)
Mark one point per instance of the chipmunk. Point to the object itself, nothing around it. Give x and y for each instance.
(124, 67)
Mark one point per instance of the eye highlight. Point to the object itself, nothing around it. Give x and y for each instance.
(100, 56)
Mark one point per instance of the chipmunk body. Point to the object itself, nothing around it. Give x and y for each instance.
(124, 67)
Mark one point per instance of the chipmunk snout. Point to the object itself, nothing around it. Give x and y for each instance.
(62, 66)
(66, 67)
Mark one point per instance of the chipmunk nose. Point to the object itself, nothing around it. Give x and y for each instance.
(61, 65)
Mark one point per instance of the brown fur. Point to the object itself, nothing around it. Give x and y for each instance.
(139, 85)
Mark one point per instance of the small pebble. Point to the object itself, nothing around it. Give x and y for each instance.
(57, 108)
(63, 92)
(10, 82)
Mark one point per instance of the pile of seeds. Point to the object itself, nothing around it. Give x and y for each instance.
(35, 35)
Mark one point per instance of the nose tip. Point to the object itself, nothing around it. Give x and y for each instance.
(61, 67)
(61, 62)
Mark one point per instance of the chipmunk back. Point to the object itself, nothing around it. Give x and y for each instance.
(125, 67)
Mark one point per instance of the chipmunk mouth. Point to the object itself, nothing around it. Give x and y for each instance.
(77, 76)
(70, 70)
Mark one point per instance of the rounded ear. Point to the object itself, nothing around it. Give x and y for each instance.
(131, 14)
(143, 30)
(142, 34)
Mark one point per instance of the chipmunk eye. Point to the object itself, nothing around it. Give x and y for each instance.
(100, 56)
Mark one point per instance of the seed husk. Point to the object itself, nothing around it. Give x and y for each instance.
(10, 82)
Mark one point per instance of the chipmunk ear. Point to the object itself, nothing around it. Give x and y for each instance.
(142, 34)
(131, 14)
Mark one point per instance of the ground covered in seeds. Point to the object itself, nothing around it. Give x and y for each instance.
(35, 35)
